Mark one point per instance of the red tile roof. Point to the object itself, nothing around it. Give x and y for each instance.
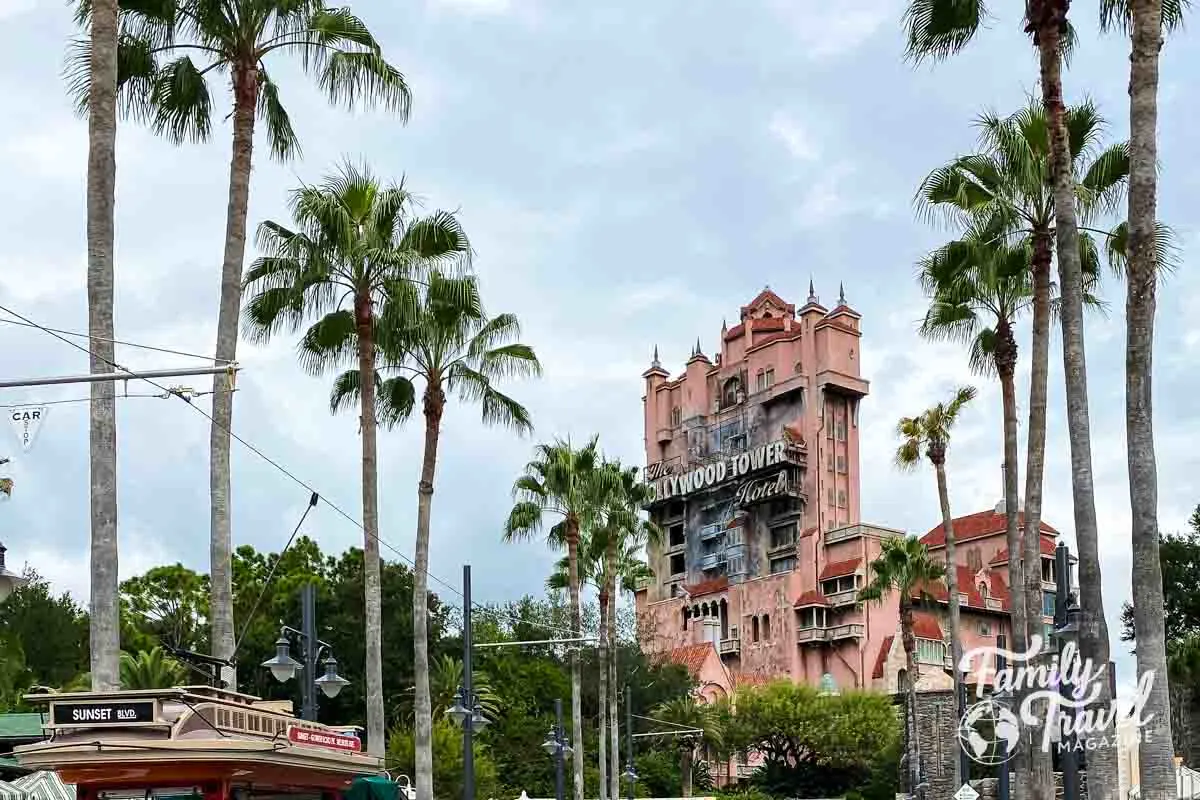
(926, 626)
(767, 325)
(837, 569)
(765, 295)
(746, 679)
(734, 332)
(794, 333)
(1048, 545)
(974, 526)
(691, 657)
(999, 588)
(711, 586)
(967, 585)
(811, 598)
(881, 659)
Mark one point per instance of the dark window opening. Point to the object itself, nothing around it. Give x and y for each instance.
(678, 565)
(766, 627)
(754, 628)
(676, 535)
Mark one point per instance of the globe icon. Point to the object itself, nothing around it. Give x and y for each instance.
(989, 733)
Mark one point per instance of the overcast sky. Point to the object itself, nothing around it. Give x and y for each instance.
(629, 173)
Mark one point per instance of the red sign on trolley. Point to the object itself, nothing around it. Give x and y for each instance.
(314, 738)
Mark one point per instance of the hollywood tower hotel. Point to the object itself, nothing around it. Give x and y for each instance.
(754, 457)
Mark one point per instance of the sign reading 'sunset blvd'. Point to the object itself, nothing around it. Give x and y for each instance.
(718, 472)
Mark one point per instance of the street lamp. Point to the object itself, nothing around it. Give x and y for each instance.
(556, 746)
(460, 714)
(283, 667)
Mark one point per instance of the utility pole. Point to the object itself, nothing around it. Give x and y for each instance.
(468, 691)
(123, 375)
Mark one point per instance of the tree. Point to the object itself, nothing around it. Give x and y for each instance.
(51, 632)
(150, 669)
(448, 761)
(354, 240)
(813, 745)
(1145, 20)
(571, 484)
(97, 74)
(685, 712)
(904, 566)
(161, 84)
(1179, 557)
(937, 29)
(438, 335)
(170, 605)
(927, 435)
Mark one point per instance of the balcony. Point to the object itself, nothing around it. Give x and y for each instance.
(854, 630)
(730, 647)
(712, 531)
(664, 435)
(812, 635)
(711, 561)
(846, 598)
(858, 530)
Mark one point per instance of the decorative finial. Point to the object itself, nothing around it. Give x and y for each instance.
(698, 350)
(655, 362)
(812, 293)
(841, 294)
(724, 325)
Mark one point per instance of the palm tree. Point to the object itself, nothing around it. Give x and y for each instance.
(98, 74)
(688, 713)
(927, 436)
(571, 484)
(1006, 187)
(161, 84)
(355, 242)
(937, 29)
(904, 566)
(1146, 21)
(437, 334)
(445, 679)
(150, 669)
(625, 533)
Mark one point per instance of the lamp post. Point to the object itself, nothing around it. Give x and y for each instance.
(629, 775)
(283, 667)
(467, 710)
(1066, 631)
(556, 745)
(1002, 783)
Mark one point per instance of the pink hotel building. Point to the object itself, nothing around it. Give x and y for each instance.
(754, 456)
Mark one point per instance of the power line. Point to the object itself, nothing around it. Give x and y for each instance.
(174, 392)
(279, 467)
(113, 341)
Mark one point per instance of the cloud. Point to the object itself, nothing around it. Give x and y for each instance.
(827, 30)
(477, 7)
(795, 137)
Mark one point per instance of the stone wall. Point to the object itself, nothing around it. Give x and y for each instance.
(937, 735)
(987, 787)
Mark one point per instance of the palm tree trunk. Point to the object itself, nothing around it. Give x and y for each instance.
(435, 403)
(1093, 637)
(909, 641)
(951, 587)
(373, 602)
(1041, 765)
(1006, 363)
(602, 748)
(1155, 750)
(245, 102)
(576, 631)
(614, 758)
(102, 438)
(685, 771)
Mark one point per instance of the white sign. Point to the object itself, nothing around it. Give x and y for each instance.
(704, 477)
(26, 421)
(966, 792)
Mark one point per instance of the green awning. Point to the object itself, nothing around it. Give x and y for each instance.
(373, 787)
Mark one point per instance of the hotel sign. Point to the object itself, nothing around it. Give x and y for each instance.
(732, 468)
(125, 712)
(756, 491)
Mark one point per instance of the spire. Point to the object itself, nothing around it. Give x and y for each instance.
(699, 352)
(841, 294)
(656, 362)
(724, 325)
(812, 294)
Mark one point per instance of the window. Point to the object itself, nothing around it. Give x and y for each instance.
(685, 618)
(974, 559)
(676, 535)
(760, 381)
(676, 590)
(676, 417)
(754, 628)
(829, 495)
(931, 652)
(846, 583)
(841, 498)
(783, 535)
(732, 393)
(840, 430)
(985, 629)
(770, 377)
(766, 627)
(1048, 634)
(1049, 600)
(735, 566)
(812, 618)
(1049, 574)
(675, 509)
(829, 461)
(779, 565)
(678, 565)
(841, 464)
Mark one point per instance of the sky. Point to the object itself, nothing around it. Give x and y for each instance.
(629, 175)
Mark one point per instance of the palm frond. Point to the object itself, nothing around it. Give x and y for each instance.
(938, 29)
(280, 133)
(182, 106)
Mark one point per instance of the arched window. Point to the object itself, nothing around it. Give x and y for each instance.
(724, 620)
(754, 628)
(685, 617)
(766, 627)
(731, 393)
(676, 417)
(902, 680)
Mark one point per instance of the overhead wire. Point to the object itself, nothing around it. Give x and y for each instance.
(82, 335)
(59, 334)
